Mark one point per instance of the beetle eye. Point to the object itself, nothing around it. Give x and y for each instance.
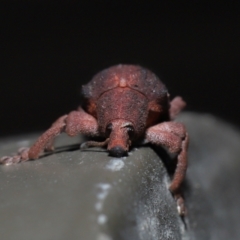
(109, 128)
(130, 130)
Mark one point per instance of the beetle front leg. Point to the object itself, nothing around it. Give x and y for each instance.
(77, 122)
(173, 137)
(24, 154)
(74, 123)
(176, 106)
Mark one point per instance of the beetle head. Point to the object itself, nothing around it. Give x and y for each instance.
(120, 134)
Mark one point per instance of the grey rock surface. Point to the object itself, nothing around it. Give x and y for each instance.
(89, 195)
(212, 188)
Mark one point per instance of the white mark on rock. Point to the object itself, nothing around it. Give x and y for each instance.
(103, 236)
(166, 181)
(104, 187)
(169, 234)
(150, 224)
(102, 219)
(115, 164)
(98, 206)
(102, 194)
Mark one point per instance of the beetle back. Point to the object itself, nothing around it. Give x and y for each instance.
(135, 77)
(128, 92)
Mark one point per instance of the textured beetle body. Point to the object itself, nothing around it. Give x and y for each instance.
(126, 92)
(123, 104)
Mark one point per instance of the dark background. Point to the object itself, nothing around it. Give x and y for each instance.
(50, 48)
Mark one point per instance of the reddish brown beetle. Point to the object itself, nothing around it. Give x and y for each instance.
(124, 104)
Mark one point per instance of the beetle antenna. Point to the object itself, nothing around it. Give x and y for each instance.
(88, 144)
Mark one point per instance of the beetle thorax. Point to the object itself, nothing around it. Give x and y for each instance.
(122, 103)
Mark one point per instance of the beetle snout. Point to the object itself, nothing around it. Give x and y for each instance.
(117, 151)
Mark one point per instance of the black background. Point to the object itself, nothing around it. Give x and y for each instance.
(50, 48)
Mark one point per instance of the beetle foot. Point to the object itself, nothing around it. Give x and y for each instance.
(182, 211)
(8, 160)
(84, 146)
(50, 146)
(22, 155)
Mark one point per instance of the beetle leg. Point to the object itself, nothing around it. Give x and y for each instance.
(173, 137)
(81, 122)
(49, 146)
(33, 152)
(176, 106)
(74, 123)
(45, 141)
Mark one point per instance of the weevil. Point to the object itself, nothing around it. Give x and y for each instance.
(123, 104)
